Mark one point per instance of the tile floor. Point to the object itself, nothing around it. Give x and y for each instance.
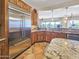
(17, 48)
(34, 52)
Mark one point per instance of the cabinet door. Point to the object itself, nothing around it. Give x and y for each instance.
(13, 1)
(0, 51)
(34, 37)
(19, 3)
(40, 36)
(0, 16)
(4, 28)
(34, 17)
(48, 36)
(3, 49)
(60, 35)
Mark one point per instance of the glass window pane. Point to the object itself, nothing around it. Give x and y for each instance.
(73, 24)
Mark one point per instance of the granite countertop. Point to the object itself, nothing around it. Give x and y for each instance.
(68, 31)
(59, 48)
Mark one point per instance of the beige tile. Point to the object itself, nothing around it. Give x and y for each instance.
(14, 50)
(35, 52)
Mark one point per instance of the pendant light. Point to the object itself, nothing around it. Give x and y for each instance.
(52, 15)
(66, 16)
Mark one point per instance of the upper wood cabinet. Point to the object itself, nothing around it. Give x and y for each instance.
(13, 1)
(34, 16)
(4, 51)
(24, 6)
(0, 17)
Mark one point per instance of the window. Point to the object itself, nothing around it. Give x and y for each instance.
(74, 24)
(51, 25)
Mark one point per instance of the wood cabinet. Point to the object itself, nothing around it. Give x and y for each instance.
(0, 17)
(33, 37)
(38, 36)
(41, 36)
(3, 55)
(4, 29)
(49, 36)
(19, 3)
(60, 35)
(34, 16)
(46, 36)
(13, 1)
(25, 7)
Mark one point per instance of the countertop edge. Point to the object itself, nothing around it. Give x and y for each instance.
(2, 39)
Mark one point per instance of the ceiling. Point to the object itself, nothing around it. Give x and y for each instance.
(51, 4)
(60, 12)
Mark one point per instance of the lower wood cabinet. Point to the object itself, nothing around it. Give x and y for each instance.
(49, 36)
(46, 36)
(0, 51)
(33, 37)
(3, 50)
(41, 36)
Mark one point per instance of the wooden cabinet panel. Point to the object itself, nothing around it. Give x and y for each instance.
(0, 17)
(46, 36)
(49, 36)
(25, 7)
(37, 36)
(3, 50)
(41, 36)
(19, 3)
(13, 1)
(4, 29)
(60, 35)
(34, 17)
(33, 37)
(0, 51)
